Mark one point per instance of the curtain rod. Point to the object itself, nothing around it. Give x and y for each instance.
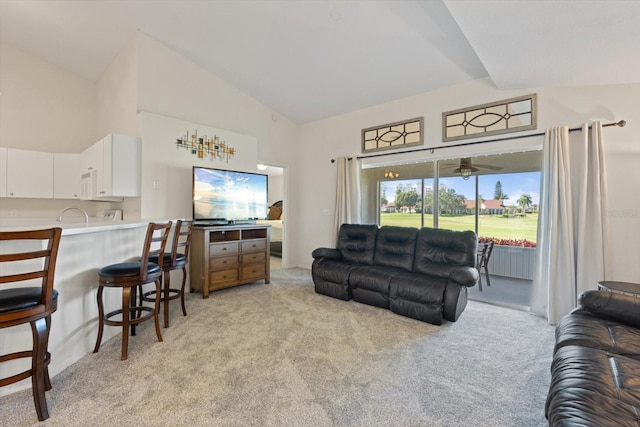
(620, 123)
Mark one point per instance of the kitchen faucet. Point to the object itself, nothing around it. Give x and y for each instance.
(86, 216)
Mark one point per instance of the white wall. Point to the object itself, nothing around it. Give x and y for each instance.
(172, 86)
(44, 107)
(171, 167)
(117, 93)
(323, 140)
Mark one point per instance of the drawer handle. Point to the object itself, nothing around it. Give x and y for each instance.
(224, 249)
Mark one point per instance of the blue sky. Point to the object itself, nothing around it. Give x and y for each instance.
(513, 185)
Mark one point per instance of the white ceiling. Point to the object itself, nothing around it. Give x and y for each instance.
(311, 59)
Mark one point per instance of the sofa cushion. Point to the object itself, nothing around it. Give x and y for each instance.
(357, 242)
(332, 270)
(594, 370)
(612, 305)
(331, 277)
(370, 284)
(418, 296)
(395, 247)
(572, 406)
(584, 329)
(438, 251)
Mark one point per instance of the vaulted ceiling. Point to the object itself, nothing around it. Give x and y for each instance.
(311, 59)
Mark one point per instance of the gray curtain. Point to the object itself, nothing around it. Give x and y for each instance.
(572, 231)
(348, 203)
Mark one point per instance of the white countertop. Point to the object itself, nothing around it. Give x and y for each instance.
(71, 226)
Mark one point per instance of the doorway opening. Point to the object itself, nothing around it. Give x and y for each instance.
(276, 201)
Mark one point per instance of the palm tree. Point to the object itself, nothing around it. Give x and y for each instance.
(525, 201)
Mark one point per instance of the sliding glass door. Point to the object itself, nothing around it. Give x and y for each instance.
(496, 196)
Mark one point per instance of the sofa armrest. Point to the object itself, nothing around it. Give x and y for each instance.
(612, 305)
(466, 276)
(328, 253)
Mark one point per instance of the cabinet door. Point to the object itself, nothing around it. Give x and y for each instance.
(29, 174)
(103, 176)
(66, 176)
(88, 160)
(3, 172)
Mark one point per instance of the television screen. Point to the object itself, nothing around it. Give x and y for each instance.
(228, 195)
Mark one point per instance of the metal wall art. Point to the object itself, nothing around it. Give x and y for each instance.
(204, 146)
(393, 135)
(508, 115)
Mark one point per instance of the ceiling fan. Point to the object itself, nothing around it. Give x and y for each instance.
(466, 167)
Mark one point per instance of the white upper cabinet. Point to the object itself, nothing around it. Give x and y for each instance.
(113, 163)
(118, 166)
(29, 174)
(66, 176)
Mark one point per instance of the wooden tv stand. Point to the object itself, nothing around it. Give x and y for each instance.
(230, 255)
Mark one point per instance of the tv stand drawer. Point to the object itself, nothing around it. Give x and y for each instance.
(222, 249)
(223, 263)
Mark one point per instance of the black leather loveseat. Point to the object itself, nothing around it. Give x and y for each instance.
(595, 373)
(419, 273)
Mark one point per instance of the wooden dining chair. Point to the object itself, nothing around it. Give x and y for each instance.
(33, 305)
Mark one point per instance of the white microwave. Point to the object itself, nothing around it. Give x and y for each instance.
(89, 186)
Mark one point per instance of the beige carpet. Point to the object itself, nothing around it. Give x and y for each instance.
(282, 355)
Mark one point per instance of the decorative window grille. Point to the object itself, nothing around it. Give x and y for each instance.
(393, 135)
(509, 115)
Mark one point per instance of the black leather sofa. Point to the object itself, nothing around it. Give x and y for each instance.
(419, 273)
(595, 373)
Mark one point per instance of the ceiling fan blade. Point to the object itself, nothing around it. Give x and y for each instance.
(495, 168)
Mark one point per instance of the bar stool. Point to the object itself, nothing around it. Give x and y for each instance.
(33, 305)
(173, 261)
(129, 276)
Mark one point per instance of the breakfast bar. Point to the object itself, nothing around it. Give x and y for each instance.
(84, 248)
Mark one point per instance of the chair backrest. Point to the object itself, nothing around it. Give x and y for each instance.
(488, 254)
(181, 239)
(40, 263)
(154, 244)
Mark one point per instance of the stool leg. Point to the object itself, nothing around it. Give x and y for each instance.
(184, 282)
(126, 311)
(166, 285)
(47, 380)
(40, 338)
(133, 298)
(157, 310)
(100, 319)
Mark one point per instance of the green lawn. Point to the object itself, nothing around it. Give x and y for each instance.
(488, 225)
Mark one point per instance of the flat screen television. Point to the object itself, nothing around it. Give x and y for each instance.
(224, 196)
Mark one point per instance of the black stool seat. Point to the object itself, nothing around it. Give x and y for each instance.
(128, 269)
(21, 298)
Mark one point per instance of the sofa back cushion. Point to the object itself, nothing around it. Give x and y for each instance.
(395, 247)
(438, 251)
(357, 242)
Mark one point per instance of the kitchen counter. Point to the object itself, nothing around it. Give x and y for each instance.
(84, 249)
(71, 226)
